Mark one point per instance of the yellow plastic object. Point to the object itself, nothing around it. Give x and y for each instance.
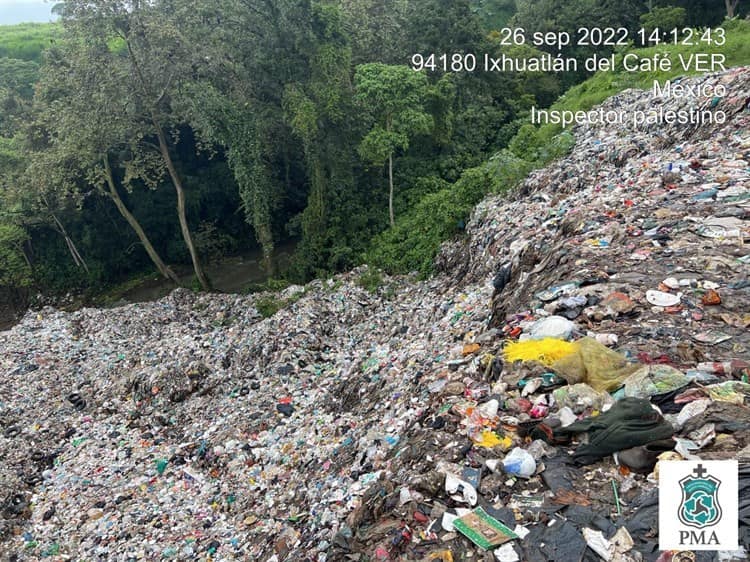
(596, 365)
(489, 439)
(441, 556)
(545, 351)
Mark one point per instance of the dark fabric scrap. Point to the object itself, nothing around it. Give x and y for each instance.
(629, 423)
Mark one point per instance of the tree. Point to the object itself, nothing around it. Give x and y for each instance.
(132, 60)
(494, 14)
(394, 97)
(731, 6)
(669, 17)
(80, 123)
(15, 266)
(24, 205)
(563, 16)
(441, 26)
(260, 47)
(320, 112)
(15, 269)
(376, 28)
(54, 192)
(699, 13)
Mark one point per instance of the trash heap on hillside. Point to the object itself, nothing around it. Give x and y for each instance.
(502, 410)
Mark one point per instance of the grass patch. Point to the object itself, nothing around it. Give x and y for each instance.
(268, 306)
(27, 41)
(371, 280)
(270, 285)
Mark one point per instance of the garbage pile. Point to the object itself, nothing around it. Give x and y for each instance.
(514, 407)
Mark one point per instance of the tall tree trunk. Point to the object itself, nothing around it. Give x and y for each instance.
(731, 6)
(390, 175)
(27, 251)
(266, 242)
(164, 150)
(177, 182)
(247, 166)
(75, 254)
(165, 271)
(72, 248)
(390, 193)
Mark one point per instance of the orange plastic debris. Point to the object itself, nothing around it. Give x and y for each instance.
(470, 348)
(711, 298)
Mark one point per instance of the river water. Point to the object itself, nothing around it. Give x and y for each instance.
(229, 275)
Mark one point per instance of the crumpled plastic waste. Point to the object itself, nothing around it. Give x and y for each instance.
(580, 398)
(556, 327)
(545, 351)
(614, 549)
(519, 462)
(652, 379)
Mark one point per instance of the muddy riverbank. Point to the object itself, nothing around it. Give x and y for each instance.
(232, 274)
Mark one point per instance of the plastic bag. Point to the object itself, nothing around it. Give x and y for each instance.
(594, 364)
(579, 397)
(520, 463)
(653, 379)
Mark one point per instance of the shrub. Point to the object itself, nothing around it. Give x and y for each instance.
(14, 271)
(268, 306)
(371, 280)
(415, 240)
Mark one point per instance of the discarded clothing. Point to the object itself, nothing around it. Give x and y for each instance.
(629, 423)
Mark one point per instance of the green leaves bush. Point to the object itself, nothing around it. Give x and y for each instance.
(14, 271)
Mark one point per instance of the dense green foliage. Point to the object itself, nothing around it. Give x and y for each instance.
(494, 14)
(668, 17)
(139, 137)
(14, 271)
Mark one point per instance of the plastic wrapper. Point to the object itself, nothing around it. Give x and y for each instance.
(594, 364)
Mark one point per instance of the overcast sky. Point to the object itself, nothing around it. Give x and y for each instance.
(17, 11)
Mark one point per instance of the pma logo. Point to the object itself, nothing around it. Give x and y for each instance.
(706, 499)
(700, 499)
